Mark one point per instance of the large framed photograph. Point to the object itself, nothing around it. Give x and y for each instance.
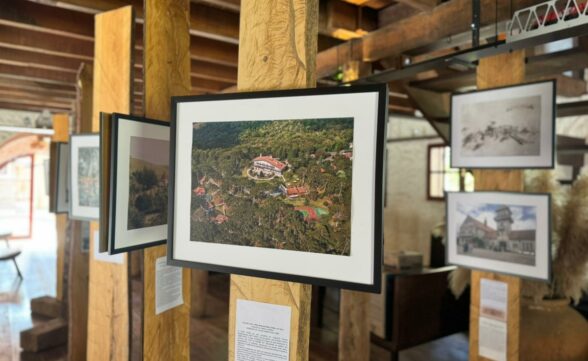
(501, 232)
(139, 170)
(59, 200)
(84, 176)
(509, 127)
(281, 184)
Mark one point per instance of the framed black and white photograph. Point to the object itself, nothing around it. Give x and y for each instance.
(139, 171)
(282, 184)
(501, 232)
(84, 176)
(509, 127)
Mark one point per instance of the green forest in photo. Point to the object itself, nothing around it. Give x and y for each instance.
(283, 184)
(148, 170)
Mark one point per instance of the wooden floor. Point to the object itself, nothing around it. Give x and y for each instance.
(208, 335)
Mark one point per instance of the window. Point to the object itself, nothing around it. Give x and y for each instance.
(442, 178)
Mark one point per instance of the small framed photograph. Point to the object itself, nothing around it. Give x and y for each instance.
(501, 232)
(280, 184)
(84, 176)
(509, 127)
(59, 174)
(139, 167)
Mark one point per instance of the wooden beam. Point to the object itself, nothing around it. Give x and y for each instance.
(572, 109)
(213, 51)
(232, 5)
(42, 43)
(29, 107)
(206, 70)
(109, 318)
(56, 77)
(395, 13)
(421, 5)
(284, 31)
(11, 93)
(47, 19)
(345, 21)
(41, 61)
(10, 82)
(449, 18)
(214, 23)
(166, 336)
(66, 107)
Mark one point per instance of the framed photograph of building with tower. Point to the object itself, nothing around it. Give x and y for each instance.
(508, 127)
(282, 184)
(501, 232)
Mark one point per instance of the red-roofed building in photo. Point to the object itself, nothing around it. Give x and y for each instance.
(294, 192)
(268, 165)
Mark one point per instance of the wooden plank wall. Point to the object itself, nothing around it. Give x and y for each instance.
(277, 50)
(61, 134)
(167, 73)
(108, 315)
(496, 71)
(78, 260)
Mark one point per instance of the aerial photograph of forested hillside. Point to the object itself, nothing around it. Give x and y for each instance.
(283, 184)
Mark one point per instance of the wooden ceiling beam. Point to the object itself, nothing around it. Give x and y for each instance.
(421, 5)
(345, 21)
(38, 101)
(48, 19)
(231, 5)
(6, 92)
(55, 77)
(31, 107)
(48, 44)
(42, 61)
(448, 18)
(10, 81)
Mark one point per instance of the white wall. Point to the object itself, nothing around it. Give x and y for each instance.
(409, 217)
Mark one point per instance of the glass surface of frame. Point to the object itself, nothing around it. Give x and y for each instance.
(84, 176)
(281, 184)
(501, 232)
(508, 127)
(139, 189)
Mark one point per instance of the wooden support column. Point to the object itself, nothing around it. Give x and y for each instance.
(354, 320)
(496, 71)
(108, 304)
(61, 134)
(199, 291)
(277, 50)
(167, 73)
(77, 305)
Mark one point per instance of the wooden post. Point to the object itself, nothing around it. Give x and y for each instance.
(77, 305)
(199, 291)
(61, 134)
(354, 320)
(500, 70)
(167, 73)
(277, 50)
(108, 308)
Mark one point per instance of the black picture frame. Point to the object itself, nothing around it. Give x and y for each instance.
(502, 165)
(116, 119)
(478, 266)
(58, 182)
(73, 213)
(381, 91)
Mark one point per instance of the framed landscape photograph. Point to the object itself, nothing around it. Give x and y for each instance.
(280, 184)
(84, 176)
(59, 182)
(501, 232)
(139, 171)
(510, 127)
